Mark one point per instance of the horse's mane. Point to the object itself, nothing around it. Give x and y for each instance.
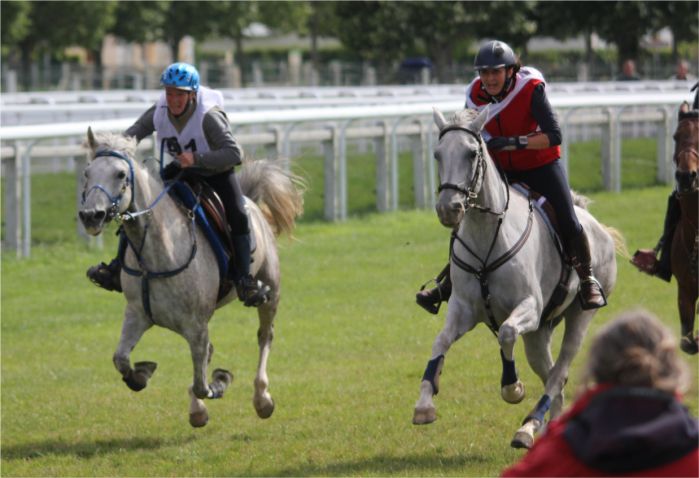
(463, 117)
(115, 141)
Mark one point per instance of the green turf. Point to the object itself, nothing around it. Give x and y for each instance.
(345, 368)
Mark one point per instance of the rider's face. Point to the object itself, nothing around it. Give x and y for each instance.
(493, 79)
(177, 100)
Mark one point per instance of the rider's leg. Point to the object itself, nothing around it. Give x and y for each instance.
(550, 180)
(647, 260)
(251, 291)
(672, 217)
(431, 299)
(108, 276)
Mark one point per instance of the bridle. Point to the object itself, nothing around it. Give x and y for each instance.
(115, 201)
(687, 181)
(474, 185)
(486, 265)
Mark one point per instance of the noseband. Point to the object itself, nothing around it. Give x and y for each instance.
(471, 192)
(115, 201)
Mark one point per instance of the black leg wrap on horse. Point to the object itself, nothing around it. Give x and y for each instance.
(539, 410)
(509, 372)
(433, 371)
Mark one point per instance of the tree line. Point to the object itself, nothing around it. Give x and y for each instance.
(379, 32)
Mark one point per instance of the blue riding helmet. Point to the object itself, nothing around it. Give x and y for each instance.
(182, 76)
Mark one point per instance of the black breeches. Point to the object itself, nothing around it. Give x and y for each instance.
(228, 188)
(550, 180)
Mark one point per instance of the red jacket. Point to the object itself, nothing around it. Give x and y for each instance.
(516, 120)
(616, 431)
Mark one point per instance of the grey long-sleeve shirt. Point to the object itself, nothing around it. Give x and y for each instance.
(224, 154)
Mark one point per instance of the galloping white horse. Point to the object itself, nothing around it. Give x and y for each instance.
(178, 283)
(504, 268)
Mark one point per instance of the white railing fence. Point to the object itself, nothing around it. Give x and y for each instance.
(387, 128)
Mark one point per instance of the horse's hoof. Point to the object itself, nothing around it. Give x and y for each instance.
(513, 393)
(265, 410)
(522, 440)
(198, 419)
(689, 345)
(223, 376)
(424, 415)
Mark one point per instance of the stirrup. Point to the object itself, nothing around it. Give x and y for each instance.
(103, 276)
(426, 301)
(254, 293)
(587, 305)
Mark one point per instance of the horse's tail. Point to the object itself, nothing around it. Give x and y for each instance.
(277, 191)
(619, 241)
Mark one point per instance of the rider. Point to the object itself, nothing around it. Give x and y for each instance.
(646, 260)
(523, 137)
(194, 117)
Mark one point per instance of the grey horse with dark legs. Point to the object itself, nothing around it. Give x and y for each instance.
(504, 268)
(178, 283)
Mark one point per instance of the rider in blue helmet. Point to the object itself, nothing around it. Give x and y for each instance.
(190, 120)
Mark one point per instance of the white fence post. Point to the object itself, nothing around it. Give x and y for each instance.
(382, 147)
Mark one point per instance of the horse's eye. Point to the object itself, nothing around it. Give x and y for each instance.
(436, 155)
(121, 175)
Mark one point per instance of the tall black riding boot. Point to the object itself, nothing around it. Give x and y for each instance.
(251, 292)
(591, 294)
(431, 299)
(672, 217)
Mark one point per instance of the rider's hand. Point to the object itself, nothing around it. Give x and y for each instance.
(186, 159)
(170, 171)
(508, 143)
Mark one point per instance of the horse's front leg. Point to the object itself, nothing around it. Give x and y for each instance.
(132, 330)
(262, 400)
(201, 351)
(524, 318)
(459, 321)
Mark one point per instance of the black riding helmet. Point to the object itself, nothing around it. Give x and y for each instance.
(494, 54)
(497, 54)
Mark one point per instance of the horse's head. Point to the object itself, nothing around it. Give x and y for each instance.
(460, 163)
(686, 157)
(109, 179)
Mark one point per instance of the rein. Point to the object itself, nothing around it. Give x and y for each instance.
(143, 272)
(471, 193)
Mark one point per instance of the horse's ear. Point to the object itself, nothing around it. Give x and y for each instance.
(439, 119)
(684, 107)
(481, 119)
(91, 142)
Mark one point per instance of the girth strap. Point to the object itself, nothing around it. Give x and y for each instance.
(485, 269)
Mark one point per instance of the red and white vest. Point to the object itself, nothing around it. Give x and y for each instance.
(512, 117)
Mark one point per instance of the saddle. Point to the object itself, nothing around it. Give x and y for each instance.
(210, 214)
(546, 211)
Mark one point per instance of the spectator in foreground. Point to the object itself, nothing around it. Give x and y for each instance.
(628, 421)
(628, 72)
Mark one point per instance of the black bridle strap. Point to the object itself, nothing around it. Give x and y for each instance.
(485, 269)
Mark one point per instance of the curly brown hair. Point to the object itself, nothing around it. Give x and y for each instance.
(636, 350)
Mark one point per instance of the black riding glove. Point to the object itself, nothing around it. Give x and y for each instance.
(508, 143)
(171, 171)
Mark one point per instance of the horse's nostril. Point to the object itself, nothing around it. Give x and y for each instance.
(100, 215)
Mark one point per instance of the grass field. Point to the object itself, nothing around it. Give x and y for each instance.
(345, 368)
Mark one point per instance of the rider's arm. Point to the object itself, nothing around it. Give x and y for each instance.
(143, 126)
(546, 119)
(224, 150)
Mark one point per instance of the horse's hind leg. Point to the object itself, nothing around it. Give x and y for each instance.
(132, 330)
(262, 400)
